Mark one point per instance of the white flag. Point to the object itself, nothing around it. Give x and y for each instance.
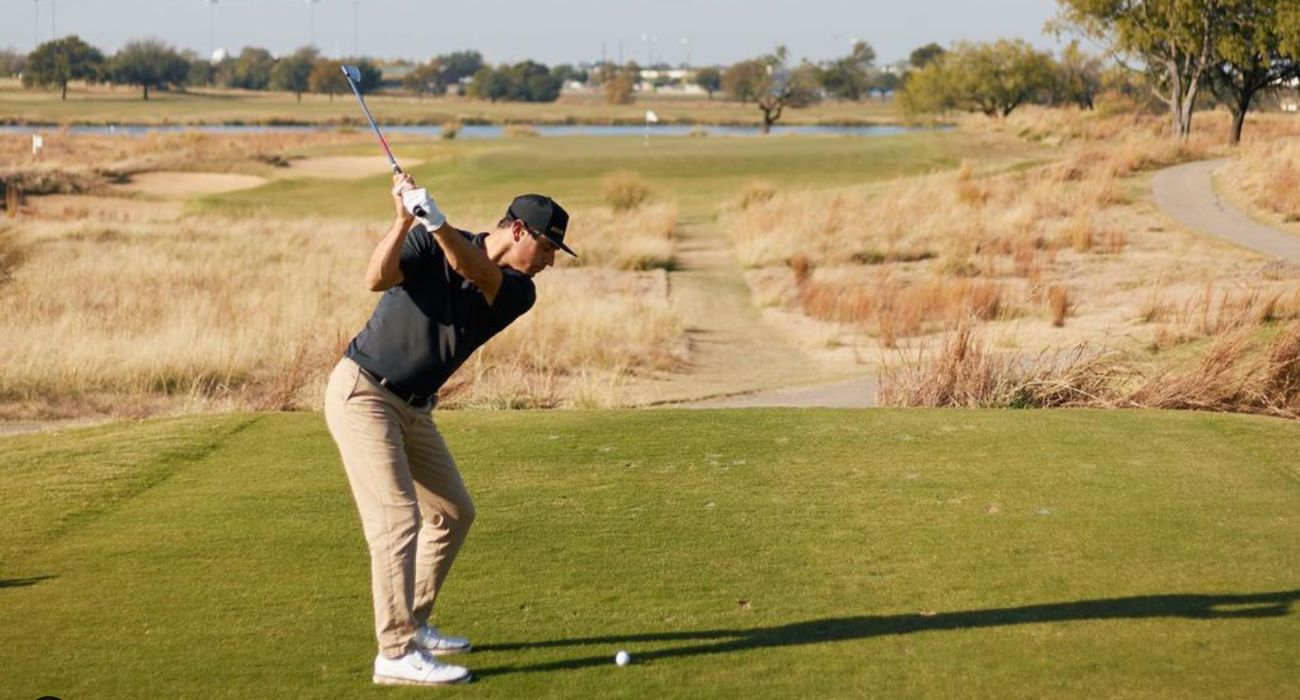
(651, 117)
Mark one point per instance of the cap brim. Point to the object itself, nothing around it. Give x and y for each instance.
(560, 245)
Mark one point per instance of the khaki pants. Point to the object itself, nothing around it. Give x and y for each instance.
(414, 508)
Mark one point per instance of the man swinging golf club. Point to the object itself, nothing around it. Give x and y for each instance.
(445, 293)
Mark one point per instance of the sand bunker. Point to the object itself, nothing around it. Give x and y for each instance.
(343, 167)
(176, 185)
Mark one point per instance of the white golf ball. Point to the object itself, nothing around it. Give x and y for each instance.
(622, 658)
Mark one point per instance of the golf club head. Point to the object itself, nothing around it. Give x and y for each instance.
(353, 73)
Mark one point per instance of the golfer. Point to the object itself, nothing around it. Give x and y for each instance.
(445, 293)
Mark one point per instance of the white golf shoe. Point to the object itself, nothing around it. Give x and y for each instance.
(431, 640)
(417, 668)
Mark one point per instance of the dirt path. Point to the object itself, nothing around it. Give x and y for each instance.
(737, 358)
(1186, 193)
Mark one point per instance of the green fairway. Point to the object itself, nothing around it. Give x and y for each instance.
(761, 553)
(699, 173)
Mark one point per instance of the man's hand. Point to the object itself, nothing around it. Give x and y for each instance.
(419, 203)
(401, 183)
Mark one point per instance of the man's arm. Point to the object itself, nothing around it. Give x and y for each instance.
(384, 270)
(469, 261)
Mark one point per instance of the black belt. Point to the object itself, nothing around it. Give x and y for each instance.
(410, 399)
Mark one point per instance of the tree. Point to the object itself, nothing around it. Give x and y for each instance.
(327, 77)
(12, 62)
(744, 80)
(526, 81)
(201, 71)
(1251, 52)
(1078, 76)
(371, 76)
(566, 73)
(425, 79)
(149, 63)
(1171, 40)
(849, 78)
(459, 66)
(252, 69)
(619, 84)
(709, 80)
(780, 87)
(59, 61)
(885, 82)
(925, 55)
(993, 78)
(293, 73)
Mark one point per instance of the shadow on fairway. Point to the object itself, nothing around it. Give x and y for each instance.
(24, 582)
(1196, 607)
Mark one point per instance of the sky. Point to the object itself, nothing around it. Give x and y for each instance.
(548, 31)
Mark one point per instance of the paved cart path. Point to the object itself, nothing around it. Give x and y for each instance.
(1186, 193)
(736, 357)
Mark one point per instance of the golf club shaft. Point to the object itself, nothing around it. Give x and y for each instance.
(419, 211)
(379, 134)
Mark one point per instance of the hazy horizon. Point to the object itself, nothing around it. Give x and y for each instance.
(559, 31)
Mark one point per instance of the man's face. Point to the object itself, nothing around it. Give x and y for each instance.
(535, 253)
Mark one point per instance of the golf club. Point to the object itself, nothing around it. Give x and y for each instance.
(353, 74)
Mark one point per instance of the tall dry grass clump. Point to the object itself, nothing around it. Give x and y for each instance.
(893, 307)
(640, 239)
(1267, 174)
(624, 190)
(963, 372)
(590, 330)
(12, 253)
(1234, 372)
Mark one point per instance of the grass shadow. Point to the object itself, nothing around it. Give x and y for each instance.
(722, 641)
(24, 582)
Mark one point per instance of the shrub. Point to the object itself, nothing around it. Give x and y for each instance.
(624, 190)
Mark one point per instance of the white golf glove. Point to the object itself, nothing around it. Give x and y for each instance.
(419, 203)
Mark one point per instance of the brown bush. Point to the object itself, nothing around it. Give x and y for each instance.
(757, 192)
(1058, 300)
(624, 190)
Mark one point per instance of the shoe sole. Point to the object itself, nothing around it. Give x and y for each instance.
(449, 652)
(390, 680)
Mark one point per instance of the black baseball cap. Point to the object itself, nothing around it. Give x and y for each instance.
(543, 216)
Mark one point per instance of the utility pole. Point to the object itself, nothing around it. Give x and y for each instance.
(311, 21)
(212, 28)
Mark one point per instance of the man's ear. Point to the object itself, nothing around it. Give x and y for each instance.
(517, 229)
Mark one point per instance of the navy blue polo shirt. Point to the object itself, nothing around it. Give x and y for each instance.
(427, 326)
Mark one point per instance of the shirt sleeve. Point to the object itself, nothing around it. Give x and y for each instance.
(514, 299)
(419, 253)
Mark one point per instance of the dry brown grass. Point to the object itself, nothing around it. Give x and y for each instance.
(893, 308)
(1267, 174)
(643, 239)
(963, 372)
(194, 314)
(1236, 372)
(590, 331)
(624, 190)
(1017, 254)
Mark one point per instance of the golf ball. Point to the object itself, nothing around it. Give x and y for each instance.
(622, 658)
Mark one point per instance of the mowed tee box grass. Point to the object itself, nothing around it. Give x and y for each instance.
(760, 553)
